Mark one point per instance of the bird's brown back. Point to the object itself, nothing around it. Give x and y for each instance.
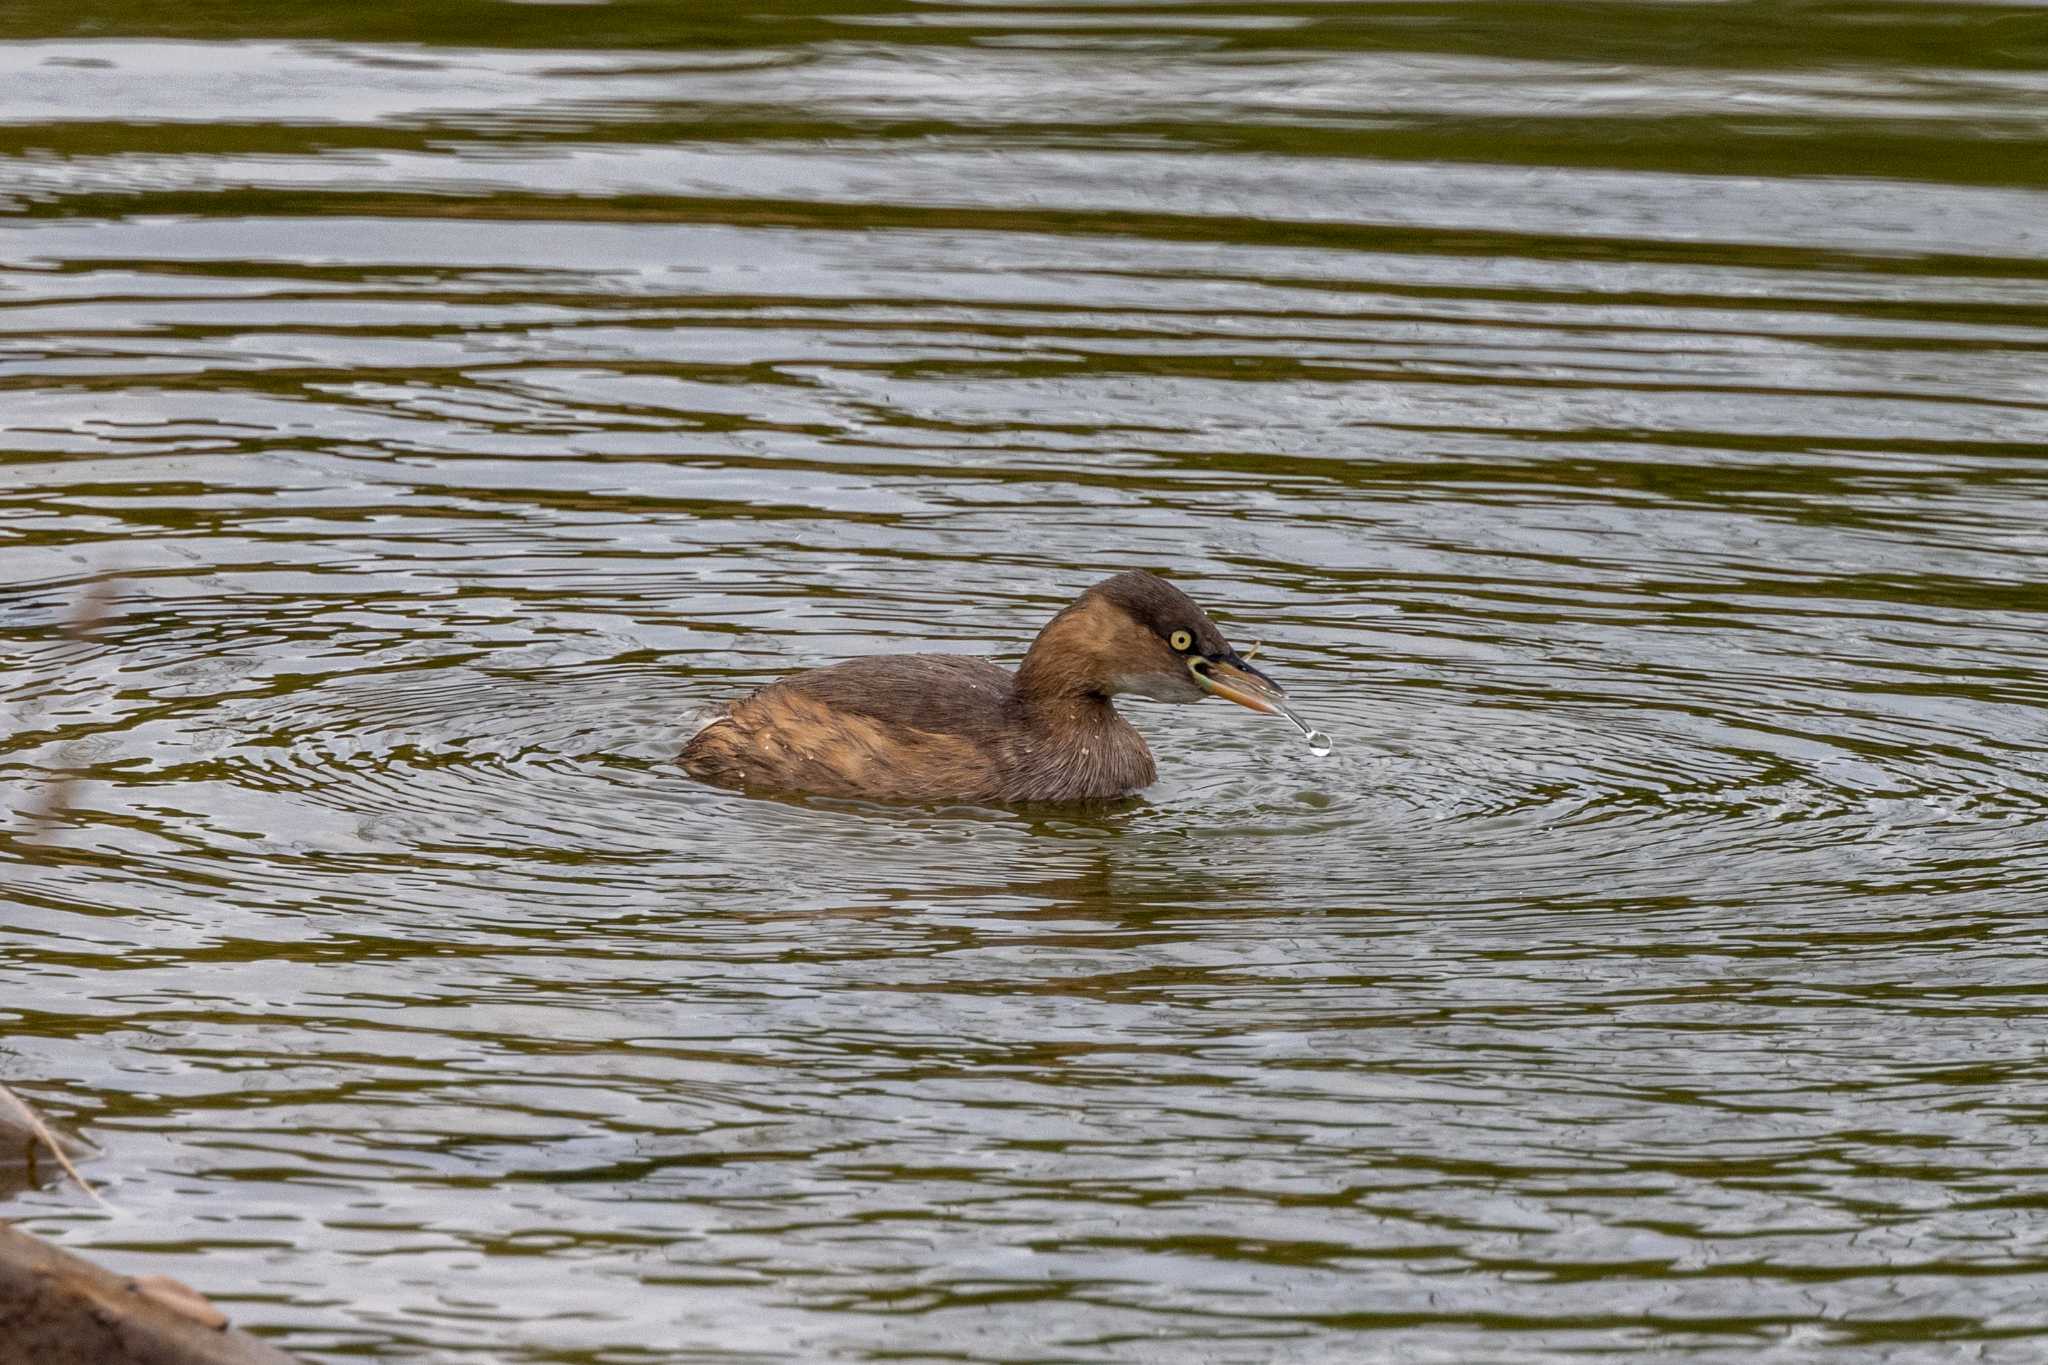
(917, 727)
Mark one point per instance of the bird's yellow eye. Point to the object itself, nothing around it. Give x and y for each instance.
(1181, 641)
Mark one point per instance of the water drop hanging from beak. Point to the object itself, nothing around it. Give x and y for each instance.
(1318, 742)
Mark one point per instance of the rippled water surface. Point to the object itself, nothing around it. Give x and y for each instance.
(1626, 426)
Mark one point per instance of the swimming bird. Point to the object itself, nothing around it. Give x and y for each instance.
(951, 728)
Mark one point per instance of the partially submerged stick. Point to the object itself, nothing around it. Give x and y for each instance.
(39, 1130)
(56, 1309)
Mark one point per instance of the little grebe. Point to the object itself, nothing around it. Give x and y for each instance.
(945, 727)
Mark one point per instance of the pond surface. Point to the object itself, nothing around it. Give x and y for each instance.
(1624, 424)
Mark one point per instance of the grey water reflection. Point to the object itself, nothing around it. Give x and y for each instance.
(1624, 424)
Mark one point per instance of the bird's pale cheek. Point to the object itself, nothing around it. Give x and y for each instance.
(1157, 686)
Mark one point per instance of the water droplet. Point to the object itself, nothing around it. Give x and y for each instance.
(1318, 742)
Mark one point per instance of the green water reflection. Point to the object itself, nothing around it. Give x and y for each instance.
(1623, 423)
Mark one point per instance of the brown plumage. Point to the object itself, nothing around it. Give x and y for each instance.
(946, 727)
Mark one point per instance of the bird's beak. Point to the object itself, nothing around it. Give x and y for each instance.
(1230, 677)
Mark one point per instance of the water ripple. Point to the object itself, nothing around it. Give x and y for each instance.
(1632, 460)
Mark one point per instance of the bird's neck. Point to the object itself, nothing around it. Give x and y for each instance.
(1074, 745)
(1065, 663)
